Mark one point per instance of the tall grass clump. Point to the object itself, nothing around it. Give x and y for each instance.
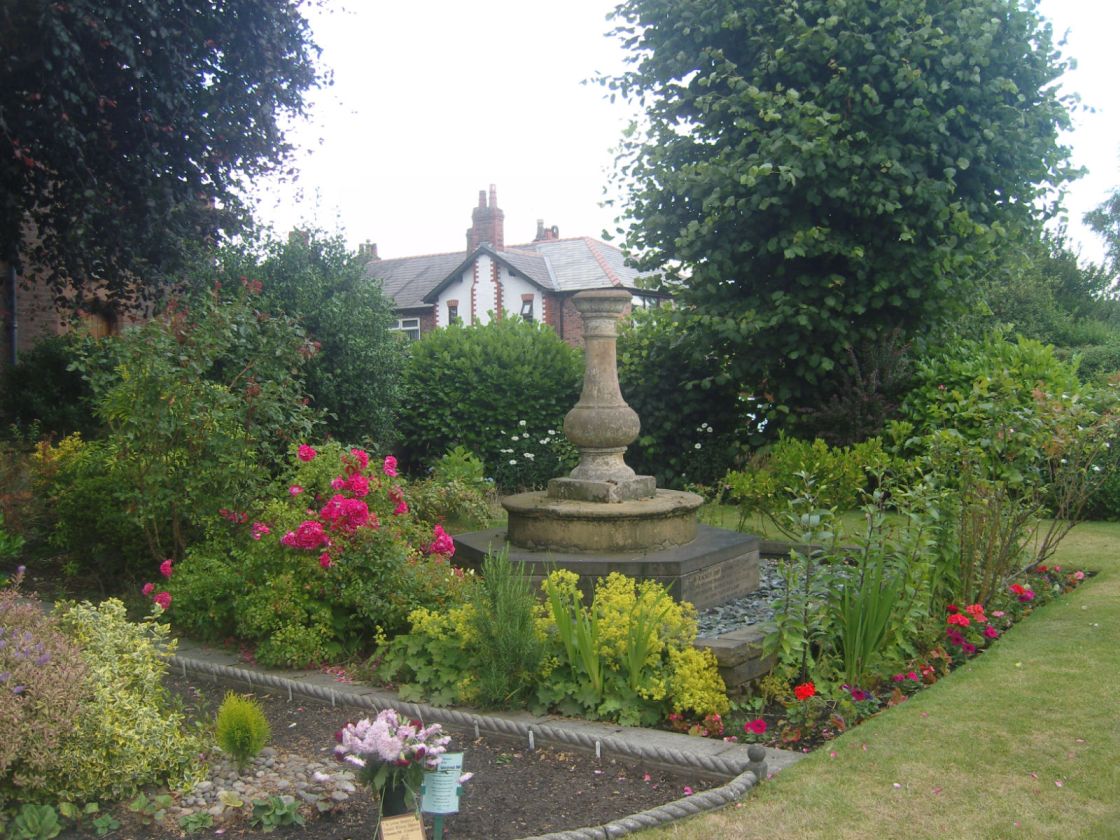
(241, 729)
(509, 648)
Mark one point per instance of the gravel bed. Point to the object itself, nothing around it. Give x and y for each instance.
(755, 608)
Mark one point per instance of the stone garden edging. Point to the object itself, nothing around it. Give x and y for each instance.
(745, 774)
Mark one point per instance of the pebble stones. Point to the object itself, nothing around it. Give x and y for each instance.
(755, 608)
(227, 794)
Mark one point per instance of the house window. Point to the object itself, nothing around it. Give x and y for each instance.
(452, 311)
(527, 307)
(410, 327)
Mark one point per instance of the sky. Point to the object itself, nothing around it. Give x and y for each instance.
(434, 101)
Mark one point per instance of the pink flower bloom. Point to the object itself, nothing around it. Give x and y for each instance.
(259, 530)
(687, 790)
(991, 632)
(913, 676)
(1079, 576)
(361, 457)
(358, 485)
(898, 677)
(165, 568)
(389, 466)
(338, 482)
(309, 536)
(1026, 597)
(968, 648)
(325, 560)
(164, 599)
(148, 589)
(401, 508)
(998, 613)
(295, 490)
(443, 544)
(306, 453)
(347, 514)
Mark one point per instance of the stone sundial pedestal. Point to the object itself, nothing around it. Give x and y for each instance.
(603, 517)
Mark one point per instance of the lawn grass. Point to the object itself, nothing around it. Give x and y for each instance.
(1023, 742)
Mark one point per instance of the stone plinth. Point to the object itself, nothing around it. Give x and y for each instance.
(715, 567)
(540, 522)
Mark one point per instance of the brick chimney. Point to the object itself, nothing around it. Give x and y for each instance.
(546, 234)
(487, 223)
(367, 251)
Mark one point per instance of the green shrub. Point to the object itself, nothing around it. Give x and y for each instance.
(696, 422)
(841, 475)
(41, 678)
(200, 405)
(10, 544)
(43, 395)
(477, 386)
(126, 734)
(241, 728)
(87, 518)
(354, 375)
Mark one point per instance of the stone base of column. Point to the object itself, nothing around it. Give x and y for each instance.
(584, 490)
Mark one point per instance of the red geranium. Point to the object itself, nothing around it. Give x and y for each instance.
(804, 691)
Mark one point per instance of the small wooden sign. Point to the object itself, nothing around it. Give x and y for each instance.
(404, 827)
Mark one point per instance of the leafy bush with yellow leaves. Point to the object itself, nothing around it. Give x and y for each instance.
(628, 657)
(127, 734)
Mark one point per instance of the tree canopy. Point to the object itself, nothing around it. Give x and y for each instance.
(128, 129)
(814, 174)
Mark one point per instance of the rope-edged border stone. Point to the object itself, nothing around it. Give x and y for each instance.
(746, 774)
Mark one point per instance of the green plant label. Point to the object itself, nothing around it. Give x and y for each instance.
(441, 787)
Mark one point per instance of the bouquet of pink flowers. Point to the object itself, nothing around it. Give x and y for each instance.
(392, 753)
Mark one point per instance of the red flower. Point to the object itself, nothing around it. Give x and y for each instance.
(756, 726)
(960, 619)
(1042, 569)
(1018, 588)
(805, 690)
(952, 609)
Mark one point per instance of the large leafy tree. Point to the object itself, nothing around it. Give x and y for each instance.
(1105, 220)
(813, 174)
(354, 375)
(128, 129)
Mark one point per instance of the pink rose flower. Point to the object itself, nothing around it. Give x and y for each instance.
(338, 482)
(401, 508)
(325, 560)
(389, 466)
(309, 536)
(306, 453)
(361, 457)
(165, 568)
(443, 544)
(164, 599)
(259, 530)
(358, 485)
(295, 490)
(148, 589)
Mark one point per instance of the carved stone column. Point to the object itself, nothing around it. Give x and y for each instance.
(601, 425)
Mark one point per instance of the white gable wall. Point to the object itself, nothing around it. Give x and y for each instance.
(485, 299)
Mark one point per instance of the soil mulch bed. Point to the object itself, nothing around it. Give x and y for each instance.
(514, 792)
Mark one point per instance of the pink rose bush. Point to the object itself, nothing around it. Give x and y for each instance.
(317, 570)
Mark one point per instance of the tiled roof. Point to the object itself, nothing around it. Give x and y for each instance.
(556, 265)
(407, 279)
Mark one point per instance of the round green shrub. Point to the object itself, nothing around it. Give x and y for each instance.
(479, 386)
(241, 728)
